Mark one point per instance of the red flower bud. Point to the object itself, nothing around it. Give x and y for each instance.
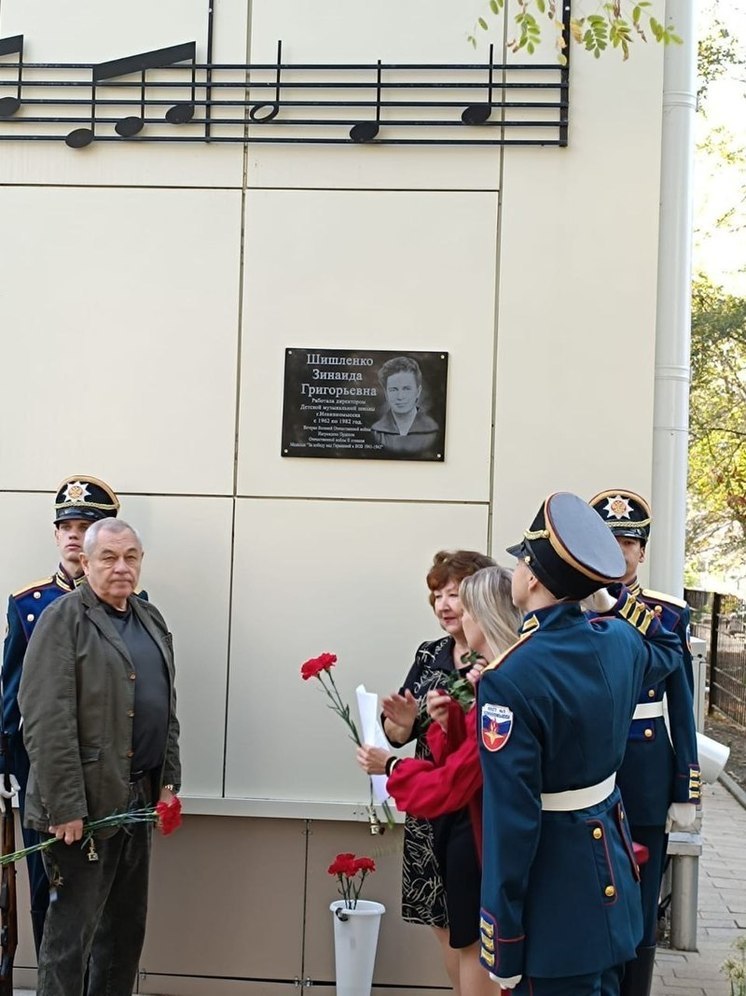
(168, 816)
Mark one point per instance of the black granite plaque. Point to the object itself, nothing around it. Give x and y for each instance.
(364, 404)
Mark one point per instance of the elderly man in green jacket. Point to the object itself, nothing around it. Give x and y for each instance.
(99, 723)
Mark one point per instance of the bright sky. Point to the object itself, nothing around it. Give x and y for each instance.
(720, 188)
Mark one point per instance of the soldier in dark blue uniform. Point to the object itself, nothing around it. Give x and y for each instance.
(659, 779)
(561, 909)
(79, 502)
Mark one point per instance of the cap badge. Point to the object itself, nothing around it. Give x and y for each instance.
(618, 507)
(76, 491)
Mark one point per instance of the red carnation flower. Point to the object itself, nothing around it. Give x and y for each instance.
(313, 667)
(343, 864)
(365, 864)
(168, 816)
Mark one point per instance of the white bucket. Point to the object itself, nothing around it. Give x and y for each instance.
(355, 943)
(713, 757)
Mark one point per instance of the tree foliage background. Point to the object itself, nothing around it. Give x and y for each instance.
(716, 534)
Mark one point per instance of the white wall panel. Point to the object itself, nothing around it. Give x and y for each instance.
(577, 300)
(29, 551)
(92, 31)
(313, 576)
(186, 572)
(386, 270)
(120, 312)
(358, 31)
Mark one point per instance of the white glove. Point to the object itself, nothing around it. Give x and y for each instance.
(510, 983)
(600, 601)
(14, 787)
(681, 814)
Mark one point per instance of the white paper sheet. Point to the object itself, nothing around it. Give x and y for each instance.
(372, 733)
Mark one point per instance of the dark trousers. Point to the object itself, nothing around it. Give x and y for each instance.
(651, 874)
(97, 910)
(604, 983)
(38, 882)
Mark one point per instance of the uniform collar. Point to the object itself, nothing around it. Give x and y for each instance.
(558, 615)
(634, 587)
(66, 581)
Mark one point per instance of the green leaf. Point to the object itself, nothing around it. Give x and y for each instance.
(482, 24)
(494, 7)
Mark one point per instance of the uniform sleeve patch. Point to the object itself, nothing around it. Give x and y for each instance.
(497, 725)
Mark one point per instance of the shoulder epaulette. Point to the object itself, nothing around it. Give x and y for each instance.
(32, 586)
(663, 597)
(506, 653)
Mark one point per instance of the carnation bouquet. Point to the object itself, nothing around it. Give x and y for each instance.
(320, 668)
(165, 815)
(347, 867)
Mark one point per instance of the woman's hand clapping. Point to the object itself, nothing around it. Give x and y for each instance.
(400, 712)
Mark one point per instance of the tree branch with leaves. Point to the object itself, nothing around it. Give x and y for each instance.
(616, 24)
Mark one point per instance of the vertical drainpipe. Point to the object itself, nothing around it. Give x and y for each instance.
(673, 317)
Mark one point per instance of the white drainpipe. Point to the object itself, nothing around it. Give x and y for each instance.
(673, 319)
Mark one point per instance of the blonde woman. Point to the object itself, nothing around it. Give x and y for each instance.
(449, 786)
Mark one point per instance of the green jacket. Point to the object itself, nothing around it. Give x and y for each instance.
(77, 699)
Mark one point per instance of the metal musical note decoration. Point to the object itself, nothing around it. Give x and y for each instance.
(166, 96)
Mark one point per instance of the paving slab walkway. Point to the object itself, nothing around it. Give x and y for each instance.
(721, 907)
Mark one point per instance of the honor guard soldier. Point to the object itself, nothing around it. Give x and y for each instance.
(80, 501)
(561, 910)
(659, 779)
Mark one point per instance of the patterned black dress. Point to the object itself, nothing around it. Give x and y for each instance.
(423, 895)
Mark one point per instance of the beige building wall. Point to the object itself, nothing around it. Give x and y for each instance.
(147, 296)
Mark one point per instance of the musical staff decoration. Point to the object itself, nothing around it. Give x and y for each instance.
(166, 96)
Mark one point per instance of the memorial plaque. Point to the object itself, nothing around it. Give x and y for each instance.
(364, 404)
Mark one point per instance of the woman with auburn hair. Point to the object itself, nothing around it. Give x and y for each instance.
(446, 787)
(405, 719)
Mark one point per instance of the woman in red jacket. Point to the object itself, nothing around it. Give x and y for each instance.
(453, 779)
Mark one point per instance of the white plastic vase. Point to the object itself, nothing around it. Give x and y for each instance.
(355, 943)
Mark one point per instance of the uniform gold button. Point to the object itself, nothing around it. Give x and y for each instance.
(651, 693)
(621, 815)
(598, 833)
(130, 753)
(30, 617)
(609, 891)
(648, 733)
(37, 594)
(130, 713)
(133, 676)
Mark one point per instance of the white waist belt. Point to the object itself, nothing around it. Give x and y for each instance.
(565, 802)
(648, 710)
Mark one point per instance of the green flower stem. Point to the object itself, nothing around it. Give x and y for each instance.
(90, 827)
(343, 711)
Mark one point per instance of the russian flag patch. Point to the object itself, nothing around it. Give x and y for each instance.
(497, 725)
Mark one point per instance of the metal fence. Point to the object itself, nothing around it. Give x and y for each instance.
(720, 620)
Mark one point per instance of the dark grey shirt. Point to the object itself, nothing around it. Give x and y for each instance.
(152, 694)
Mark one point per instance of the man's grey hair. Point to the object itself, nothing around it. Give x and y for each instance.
(109, 525)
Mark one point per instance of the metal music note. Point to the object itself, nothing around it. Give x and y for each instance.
(269, 111)
(157, 59)
(366, 131)
(80, 137)
(14, 44)
(477, 114)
